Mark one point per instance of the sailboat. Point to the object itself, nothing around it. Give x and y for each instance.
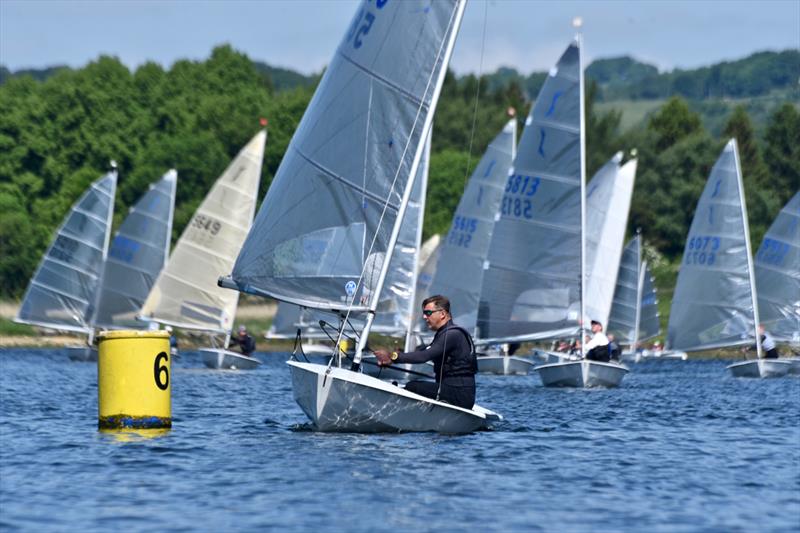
(135, 257)
(462, 259)
(634, 312)
(777, 266)
(351, 161)
(714, 305)
(533, 296)
(186, 294)
(62, 291)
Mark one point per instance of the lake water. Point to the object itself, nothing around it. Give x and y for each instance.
(681, 446)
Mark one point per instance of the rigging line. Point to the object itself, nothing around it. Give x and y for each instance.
(420, 107)
(477, 94)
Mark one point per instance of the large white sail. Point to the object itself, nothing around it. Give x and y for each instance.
(460, 267)
(777, 266)
(63, 289)
(326, 225)
(635, 298)
(532, 287)
(713, 304)
(186, 293)
(136, 256)
(608, 199)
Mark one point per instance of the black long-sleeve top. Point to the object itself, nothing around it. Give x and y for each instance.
(452, 342)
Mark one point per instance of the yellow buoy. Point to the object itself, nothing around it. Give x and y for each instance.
(133, 380)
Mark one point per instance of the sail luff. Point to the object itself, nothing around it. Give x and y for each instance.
(746, 229)
(452, 32)
(579, 39)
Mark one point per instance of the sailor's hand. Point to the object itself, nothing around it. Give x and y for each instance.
(383, 357)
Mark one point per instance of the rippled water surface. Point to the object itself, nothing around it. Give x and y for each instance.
(681, 446)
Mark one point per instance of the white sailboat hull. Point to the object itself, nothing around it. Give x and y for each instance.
(582, 374)
(761, 368)
(336, 399)
(504, 365)
(82, 353)
(795, 368)
(226, 359)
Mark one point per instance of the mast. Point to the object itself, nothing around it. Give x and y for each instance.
(373, 304)
(415, 270)
(750, 272)
(99, 289)
(579, 40)
(639, 288)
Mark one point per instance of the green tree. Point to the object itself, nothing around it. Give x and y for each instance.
(782, 152)
(673, 122)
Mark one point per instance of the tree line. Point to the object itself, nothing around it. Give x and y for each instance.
(58, 135)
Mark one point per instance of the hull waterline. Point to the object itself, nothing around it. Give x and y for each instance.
(225, 359)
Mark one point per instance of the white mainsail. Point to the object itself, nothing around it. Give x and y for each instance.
(714, 301)
(62, 291)
(186, 294)
(634, 312)
(777, 266)
(460, 268)
(608, 198)
(526, 297)
(137, 255)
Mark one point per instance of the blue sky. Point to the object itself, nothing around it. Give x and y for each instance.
(302, 34)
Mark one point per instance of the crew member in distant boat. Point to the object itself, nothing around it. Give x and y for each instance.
(245, 341)
(614, 351)
(596, 349)
(767, 344)
(452, 353)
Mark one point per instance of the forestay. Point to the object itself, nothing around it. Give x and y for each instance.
(532, 287)
(608, 198)
(63, 288)
(329, 213)
(186, 293)
(777, 266)
(136, 256)
(713, 302)
(460, 267)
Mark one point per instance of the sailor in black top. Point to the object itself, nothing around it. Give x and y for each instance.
(451, 352)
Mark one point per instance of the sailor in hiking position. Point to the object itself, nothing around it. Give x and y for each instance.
(451, 352)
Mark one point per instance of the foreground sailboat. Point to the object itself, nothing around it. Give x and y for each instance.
(777, 266)
(714, 305)
(63, 290)
(351, 161)
(186, 294)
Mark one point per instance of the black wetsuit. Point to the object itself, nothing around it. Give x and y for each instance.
(246, 344)
(454, 363)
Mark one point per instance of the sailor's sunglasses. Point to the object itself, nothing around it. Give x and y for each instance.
(429, 312)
